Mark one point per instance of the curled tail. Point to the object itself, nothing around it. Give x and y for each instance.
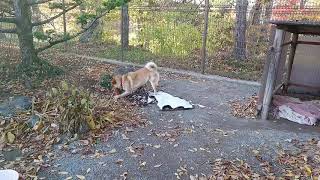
(151, 66)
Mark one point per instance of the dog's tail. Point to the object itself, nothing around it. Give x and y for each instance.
(151, 66)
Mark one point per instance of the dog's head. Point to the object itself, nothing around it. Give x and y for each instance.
(116, 82)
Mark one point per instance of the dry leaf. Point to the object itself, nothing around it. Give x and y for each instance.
(63, 173)
(112, 151)
(158, 165)
(10, 137)
(143, 164)
(88, 170)
(124, 137)
(119, 161)
(81, 177)
(308, 170)
(193, 177)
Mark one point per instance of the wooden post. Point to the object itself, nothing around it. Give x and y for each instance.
(124, 29)
(293, 48)
(271, 77)
(265, 70)
(204, 36)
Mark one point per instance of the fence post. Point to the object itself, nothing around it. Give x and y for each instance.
(124, 29)
(204, 36)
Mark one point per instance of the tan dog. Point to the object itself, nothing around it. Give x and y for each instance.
(133, 80)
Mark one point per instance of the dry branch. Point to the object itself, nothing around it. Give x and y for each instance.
(34, 2)
(72, 36)
(8, 19)
(12, 31)
(54, 17)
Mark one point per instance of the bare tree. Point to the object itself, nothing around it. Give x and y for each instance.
(18, 12)
(240, 30)
(256, 13)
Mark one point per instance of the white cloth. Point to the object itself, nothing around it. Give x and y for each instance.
(166, 100)
(9, 174)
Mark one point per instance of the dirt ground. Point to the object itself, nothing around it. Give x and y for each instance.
(184, 140)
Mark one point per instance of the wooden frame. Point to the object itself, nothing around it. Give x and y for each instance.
(271, 76)
(273, 68)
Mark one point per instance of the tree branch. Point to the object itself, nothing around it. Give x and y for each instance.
(54, 17)
(12, 31)
(71, 37)
(34, 2)
(8, 19)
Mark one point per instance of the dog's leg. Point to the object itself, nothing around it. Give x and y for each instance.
(154, 87)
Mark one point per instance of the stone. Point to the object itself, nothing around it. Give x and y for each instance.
(15, 104)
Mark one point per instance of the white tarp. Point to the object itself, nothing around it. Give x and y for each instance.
(166, 100)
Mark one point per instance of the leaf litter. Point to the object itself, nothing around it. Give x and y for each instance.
(54, 102)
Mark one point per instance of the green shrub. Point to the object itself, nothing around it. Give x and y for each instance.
(105, 81)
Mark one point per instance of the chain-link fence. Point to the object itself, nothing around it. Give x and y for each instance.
(222, 35)
(172, 33)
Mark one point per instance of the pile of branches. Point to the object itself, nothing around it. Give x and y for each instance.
(61, 114)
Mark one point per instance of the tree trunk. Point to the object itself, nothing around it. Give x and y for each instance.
(268, 12)
(37, 16)
(255, 13)
(125, 26)
(240, 30)
(24, 31)
(302, 3)
(86, 36)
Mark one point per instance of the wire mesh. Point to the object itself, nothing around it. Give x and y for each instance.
(170, 32)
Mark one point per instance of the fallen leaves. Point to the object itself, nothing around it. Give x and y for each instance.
(303, 163)
(247, 109)
(39, 141)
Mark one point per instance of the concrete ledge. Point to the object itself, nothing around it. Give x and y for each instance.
(184, 72)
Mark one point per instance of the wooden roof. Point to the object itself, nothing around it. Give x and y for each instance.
(300, 27)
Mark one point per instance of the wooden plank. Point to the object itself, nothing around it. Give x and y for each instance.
(280, 71)
(271, 77)
(265, 70)
(293, 48)
(309, 43)
(304, 86)
(301, 29)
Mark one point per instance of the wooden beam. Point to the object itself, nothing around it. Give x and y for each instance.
(304, 86)
(277, 88)
(265, 69)
(271, 77)
(293, 48)
(287, 43)
(280, 71)
(309, 43)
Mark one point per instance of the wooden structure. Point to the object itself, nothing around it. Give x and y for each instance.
(279, 61)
